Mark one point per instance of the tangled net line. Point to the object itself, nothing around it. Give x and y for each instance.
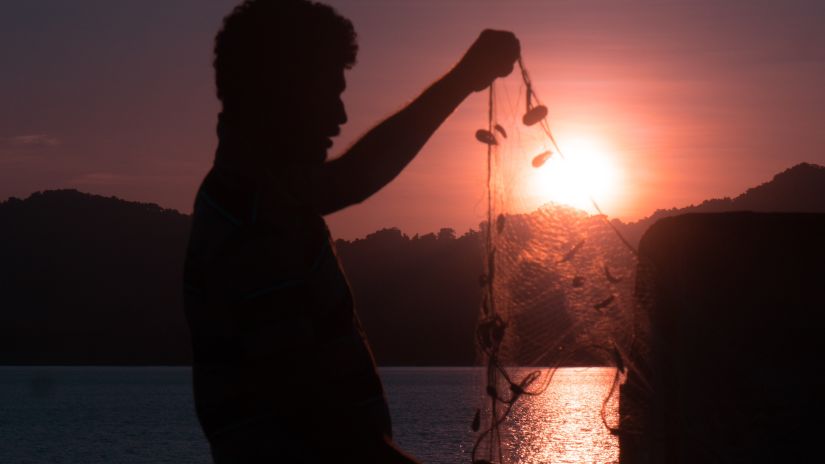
(506, 386)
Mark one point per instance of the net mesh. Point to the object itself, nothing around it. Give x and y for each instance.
(559, 285)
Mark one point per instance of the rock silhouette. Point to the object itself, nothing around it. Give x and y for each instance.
(736, 304)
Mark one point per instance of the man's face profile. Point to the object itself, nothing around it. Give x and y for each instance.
(310, 112)
(323, 112)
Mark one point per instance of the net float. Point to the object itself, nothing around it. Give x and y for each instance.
(542, 158)
(485, 136)
(500, 130)
(534, 115)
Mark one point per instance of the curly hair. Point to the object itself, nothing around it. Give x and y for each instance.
(266, 44)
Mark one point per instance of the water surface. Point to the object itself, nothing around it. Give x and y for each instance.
(134, 415)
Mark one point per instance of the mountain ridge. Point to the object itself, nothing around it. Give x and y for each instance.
(89, 279)
(802, 185)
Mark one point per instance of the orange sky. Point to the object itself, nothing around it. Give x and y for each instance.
(688, 99)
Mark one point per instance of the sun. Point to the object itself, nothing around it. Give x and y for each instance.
(588, 170)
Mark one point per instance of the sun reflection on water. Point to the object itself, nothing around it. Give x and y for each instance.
(564, 424)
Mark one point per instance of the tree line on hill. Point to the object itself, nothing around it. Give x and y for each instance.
(87, 279)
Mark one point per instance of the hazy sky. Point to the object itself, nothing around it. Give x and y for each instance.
(687, 99)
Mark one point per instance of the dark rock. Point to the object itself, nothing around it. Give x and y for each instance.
(727, 370)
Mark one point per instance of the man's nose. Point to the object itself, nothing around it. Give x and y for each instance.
(340, 113)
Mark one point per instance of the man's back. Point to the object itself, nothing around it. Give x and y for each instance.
(277, 345)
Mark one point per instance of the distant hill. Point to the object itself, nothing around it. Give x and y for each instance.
(800, 189)
(418, 297)
(86, 279)
(93, 280)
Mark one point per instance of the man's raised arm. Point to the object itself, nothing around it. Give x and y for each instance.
(380, 155)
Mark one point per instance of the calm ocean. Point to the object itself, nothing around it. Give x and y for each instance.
(128, 415)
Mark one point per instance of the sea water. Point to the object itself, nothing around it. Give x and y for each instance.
(146, 415)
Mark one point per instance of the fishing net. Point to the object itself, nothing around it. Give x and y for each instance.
(559, 284)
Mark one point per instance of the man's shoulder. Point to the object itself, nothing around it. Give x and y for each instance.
(227, 194)
(253, 236)
(247, 199)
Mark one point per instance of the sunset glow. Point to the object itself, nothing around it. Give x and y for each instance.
(587, 170)
(680, 102)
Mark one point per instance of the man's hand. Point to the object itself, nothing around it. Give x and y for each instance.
(491, 56)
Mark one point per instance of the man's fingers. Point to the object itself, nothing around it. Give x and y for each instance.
(509, 49)
(506, 46)
(516, 48)
(493, 55)
(506, 70)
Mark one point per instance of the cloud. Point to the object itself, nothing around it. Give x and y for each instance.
(32, 140)
(26, 148)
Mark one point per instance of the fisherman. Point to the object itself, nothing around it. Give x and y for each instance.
(282, 370)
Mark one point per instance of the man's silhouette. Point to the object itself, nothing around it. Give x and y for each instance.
(282, 370)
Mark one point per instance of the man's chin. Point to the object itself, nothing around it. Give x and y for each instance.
(317, 157)
(317, 154)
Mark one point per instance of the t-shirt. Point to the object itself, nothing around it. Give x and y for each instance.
(274, 333)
